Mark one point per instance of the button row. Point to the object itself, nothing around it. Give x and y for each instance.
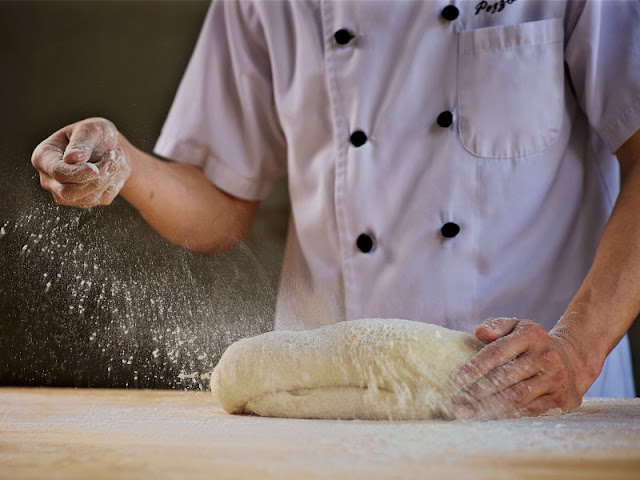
(366, 242)
(344, 37)
(359, 138)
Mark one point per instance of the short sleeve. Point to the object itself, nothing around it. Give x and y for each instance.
(603, 56)
(223, 118)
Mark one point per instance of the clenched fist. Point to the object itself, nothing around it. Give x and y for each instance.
(83, 165)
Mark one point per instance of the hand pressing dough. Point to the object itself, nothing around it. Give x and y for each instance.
(366, 369)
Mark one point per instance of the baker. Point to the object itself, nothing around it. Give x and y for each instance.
(448, 162)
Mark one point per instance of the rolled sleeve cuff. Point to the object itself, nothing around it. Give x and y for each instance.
(618, 131)
(218, 172)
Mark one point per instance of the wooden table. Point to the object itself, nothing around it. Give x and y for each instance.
(137, 434)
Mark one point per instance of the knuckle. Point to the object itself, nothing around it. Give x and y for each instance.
(56, 189)
(104, 126)
(560, 377)
(550, 356)
(92, 200)
(534, 332)
(527, 366)
(518, 394)
(65, 191)
(71, 193)
(92, 128)
(36, 156)
(572, 402)
(560, 399)
(500, 322)
(86, 128)
(105, 200)
(537, 330)
(476, 366)
(62, 201)
(39, 157)
(491, 322)
(465, 413)
(500, 380)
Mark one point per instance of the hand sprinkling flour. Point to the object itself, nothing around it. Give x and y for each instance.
(83, 164)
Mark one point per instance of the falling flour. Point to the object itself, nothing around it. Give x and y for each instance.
(95, 298)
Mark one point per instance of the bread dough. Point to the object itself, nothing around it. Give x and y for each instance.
(366, 369)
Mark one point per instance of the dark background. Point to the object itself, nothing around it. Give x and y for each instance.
(97, 298)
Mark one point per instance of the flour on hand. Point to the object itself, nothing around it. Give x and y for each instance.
(366, 369)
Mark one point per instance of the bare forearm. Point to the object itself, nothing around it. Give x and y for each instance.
(608, 300)
(181, 204)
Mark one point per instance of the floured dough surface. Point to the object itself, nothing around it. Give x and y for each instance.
(366, 369)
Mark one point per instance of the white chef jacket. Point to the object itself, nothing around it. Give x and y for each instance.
(394, 119)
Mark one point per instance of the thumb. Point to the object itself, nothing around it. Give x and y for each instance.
(85, 137)
(494, 328)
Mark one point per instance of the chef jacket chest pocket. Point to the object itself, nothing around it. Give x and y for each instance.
(510, 88)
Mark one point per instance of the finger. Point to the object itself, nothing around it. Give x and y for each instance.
(89, 202)
(106, 167)
(113, 172)
(74, 173)
(523, 336)
(47, 182)
(78, 194)
(96, 192)
(110, 162)
(494, 328)
(47, 159)
(500, 378)
(69, 194)
(55, 143)
(104, 196)
(48, 151)
(509, 402)
(87, 137)
(539, 406)
(546, 363)
(487, 359)
(94, 197)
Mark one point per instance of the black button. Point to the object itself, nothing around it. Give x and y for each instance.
(450, 230)
(445, 119)
(358, 138)
(450, 12)
(365, 243)
(343, 36)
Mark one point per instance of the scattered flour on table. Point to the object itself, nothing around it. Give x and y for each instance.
(187, 425)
